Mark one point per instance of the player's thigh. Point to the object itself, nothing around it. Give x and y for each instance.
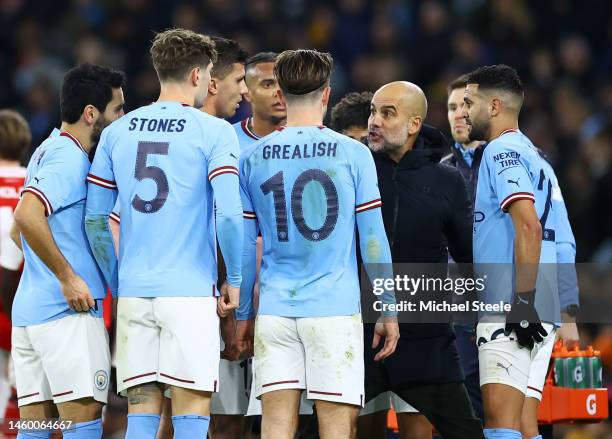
(38, 410)
(75, 356)
(80, 410)
(336, 419)
(279, 355)
(137, 343)
(280, 413)
(501, 359)
(190, 343)
(540, 359)
(334, 358)
(30, 378)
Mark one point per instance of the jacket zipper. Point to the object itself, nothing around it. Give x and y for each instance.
(395, 211)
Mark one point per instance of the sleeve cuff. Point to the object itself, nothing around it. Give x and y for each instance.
(505, 204)
(41, 196)
(109, 184)
(222, 170)
(373, 204)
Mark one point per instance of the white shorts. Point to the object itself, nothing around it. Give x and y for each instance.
(171, 340)
(323, 355)
(62, 360)
(503, 361)
(235, 378)
(306, 405)
(384, 402)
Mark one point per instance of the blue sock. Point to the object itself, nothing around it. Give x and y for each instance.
(142, 426)
(537, 437)
(501, 433)
(85, 430)
(34, 434)
(190, 426)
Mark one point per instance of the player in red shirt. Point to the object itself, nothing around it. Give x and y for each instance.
(15, 138)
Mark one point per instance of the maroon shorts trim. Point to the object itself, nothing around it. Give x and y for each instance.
(177, 379)
(276, 383)
(318, 392)
(139, 376)
(57, 395)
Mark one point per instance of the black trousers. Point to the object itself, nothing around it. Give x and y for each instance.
(446, 405)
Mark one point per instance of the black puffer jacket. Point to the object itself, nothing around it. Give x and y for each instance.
(426, 210)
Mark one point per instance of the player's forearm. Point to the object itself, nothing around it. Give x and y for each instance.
(230, 234)
(249, 272)
(230, 230)
(375, 252)
(103, 247)
(34, 227)
(15, 236)
(527, 245)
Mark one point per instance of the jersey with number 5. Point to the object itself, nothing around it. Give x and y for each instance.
(162, 159)
(304, 186)
(511, 169)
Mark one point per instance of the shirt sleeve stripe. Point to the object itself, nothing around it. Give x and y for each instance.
(249, 215)
(41, 196)
(222, 170)
(515, 197)
(369, 205)
(101, 181)
(115, 217)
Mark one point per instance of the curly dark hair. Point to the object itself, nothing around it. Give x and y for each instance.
(175, 52)
(352, 111)
(87, 84)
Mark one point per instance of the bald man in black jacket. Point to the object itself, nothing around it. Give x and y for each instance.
(427, 213)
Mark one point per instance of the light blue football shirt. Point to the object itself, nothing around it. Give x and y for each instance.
(167, 162)
(245, 135)
(511, 169)
(56, 176)
(306, 188)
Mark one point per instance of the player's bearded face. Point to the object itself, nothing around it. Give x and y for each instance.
(479, 124)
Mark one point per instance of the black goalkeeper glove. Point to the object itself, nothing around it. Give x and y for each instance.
(523, 319)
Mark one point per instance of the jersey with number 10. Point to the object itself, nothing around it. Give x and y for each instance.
(162, 159)
(512, 169)
(304, 186)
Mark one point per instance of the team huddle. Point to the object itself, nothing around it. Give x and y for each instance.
(231, 251)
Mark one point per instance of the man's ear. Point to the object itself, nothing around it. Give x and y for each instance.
(326, 95)
(495, 107)
(90, 115)
(213, 88)
(415, 125)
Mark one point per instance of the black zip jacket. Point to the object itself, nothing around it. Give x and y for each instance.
(469, 173)
(426, 210)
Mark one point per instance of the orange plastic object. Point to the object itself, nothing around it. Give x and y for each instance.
(392, 421)
(568, 405)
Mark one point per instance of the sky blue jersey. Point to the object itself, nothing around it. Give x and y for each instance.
(511, 169)
(56, 176)
(246, 136)
(165, 163)
(305, 189)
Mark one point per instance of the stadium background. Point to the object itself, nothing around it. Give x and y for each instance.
(562, 50)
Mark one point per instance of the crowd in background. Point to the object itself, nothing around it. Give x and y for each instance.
(561, 48)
